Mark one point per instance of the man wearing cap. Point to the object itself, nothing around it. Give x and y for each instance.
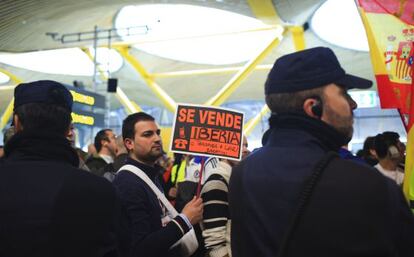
(294, 196)
(49, 207)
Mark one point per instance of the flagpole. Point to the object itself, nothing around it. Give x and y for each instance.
(403, 120)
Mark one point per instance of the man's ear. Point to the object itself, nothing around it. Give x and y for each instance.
(16, 123)
(129, 144)
(104, 142)
(70, 131)
(308, 106)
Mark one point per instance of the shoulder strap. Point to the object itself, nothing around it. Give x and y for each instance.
(305, 195)
(139, 173)
(216, 176)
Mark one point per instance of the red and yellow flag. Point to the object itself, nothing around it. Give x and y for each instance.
(389, 25)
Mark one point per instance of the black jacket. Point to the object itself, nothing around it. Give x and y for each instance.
(98, 166)
(354, 211)
(49, 207)
(141, 207)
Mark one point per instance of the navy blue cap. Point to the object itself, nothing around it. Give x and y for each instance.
(43, 91)
(308, 69)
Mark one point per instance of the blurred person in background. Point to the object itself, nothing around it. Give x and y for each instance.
(105, 145)
(390, 152)
(81, 154)
(367, 153)
(216, 224)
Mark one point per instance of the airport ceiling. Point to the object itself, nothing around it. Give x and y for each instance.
(24, 24)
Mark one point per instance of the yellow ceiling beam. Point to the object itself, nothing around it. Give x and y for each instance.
(161, 94)
(91, 57)
(129, 106)
(252, 123)
(7, 87)
(7, 114)
(9, 109)
(265, 11)
(236, 80)
(299, 41)
(137, 106)
(172, 74)
(12, 77)
(298, 34)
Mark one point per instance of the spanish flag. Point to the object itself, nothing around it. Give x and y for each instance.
(390, 32)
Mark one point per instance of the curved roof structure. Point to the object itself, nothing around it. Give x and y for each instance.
(148, 79)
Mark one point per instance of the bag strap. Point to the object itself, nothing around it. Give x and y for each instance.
(139, 173)
(305, 195)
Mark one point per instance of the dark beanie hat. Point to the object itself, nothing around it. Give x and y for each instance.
(308, 69)
(43, 91)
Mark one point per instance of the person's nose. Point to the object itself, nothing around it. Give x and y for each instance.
(157, 137)
(352, 103)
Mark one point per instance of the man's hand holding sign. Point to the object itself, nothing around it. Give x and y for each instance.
(212, 132)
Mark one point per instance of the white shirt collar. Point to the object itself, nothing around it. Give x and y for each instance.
(107, 158)
(395, 175)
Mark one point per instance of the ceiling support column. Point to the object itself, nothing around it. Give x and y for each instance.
(9, 109)
(129, 106)
(265, 11)
(161, 94)
(252, 123)
(174, 74)
(236, 80)
(298, 34)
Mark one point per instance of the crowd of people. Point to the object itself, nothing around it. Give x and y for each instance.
(301, 194)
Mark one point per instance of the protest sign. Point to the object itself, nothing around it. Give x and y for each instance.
(207, 131)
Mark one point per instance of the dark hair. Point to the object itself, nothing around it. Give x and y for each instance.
(360, 153)
(128, 125)
(8, 133)
(178, 157)
(368, 144)
(384, 141)
(45, 117)
(292, 102)
(101, 135)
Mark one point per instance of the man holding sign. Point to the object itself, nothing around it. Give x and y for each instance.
(152, 232)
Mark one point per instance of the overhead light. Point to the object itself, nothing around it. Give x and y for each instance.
(195, 34)
(70, 61)
(338, 22)
(108, 59)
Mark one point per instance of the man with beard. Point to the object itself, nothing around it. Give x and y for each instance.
(295, 196)
(151, 234)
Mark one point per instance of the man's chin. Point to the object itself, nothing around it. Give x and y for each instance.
(156, 153)
(348, 134)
